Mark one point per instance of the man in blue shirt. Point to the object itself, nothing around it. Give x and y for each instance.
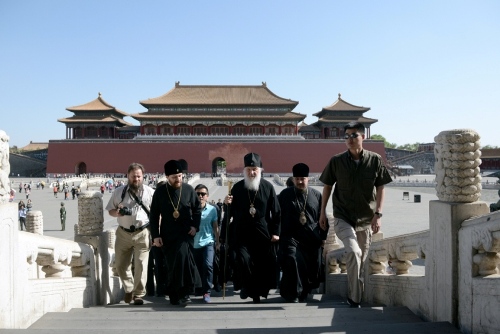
(204, 242)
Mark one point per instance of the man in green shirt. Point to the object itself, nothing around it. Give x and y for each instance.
(359, 177)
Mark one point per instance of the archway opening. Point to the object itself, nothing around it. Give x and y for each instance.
(218, 166)
(81, 168)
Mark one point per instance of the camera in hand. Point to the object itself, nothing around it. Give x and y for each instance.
(125, 211)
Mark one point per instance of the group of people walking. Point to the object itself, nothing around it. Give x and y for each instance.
(262, 233)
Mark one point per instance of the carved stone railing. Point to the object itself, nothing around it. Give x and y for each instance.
(386, 256)
(93, 181)
(397, 253)
(479, 274)
(194, 178)
(57, 257)
(224, 180)
(44, 274)
(387, 274)
(279, 180)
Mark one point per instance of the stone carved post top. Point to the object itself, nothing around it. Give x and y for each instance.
(90, 194)
(457, 165)
(4, 168)
(90, 213)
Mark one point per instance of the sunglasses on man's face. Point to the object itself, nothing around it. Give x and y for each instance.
(201, 194)
(352, 135)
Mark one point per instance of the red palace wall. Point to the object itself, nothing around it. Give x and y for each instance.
(114, 156)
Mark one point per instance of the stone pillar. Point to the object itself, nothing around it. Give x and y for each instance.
(458, 177)
(90, 231)
(34, 222)
(9, 258)
(4, 168)
(110, 236)
(458, 189)
(331, 239)
(10, 255)
(441, 266)
(90, 213)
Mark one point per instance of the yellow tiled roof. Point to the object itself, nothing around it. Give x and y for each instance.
(219, 95)
(346, 119)
(93, 119)
(96, 105)
(340, 105)
(35, 146)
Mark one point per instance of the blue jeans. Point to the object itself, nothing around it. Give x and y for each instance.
(204, 258)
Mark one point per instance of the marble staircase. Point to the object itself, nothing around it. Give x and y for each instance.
(320, 314)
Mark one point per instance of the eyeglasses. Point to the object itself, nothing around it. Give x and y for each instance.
(201, 194)
(352, 135)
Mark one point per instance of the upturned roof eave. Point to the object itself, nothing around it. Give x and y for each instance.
(98, 104)
(341, 105)
(290, 116)
(112, 110)
(290, 104)
(345, 121)
(73, 121)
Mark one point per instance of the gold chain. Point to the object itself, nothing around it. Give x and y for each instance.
(176, 209)
(252, 210)
(254, 197)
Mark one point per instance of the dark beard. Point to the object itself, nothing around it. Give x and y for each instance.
(134, 187)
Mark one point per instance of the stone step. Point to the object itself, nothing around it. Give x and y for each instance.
(379, 328)
(205, 318)
(320, 314)
(229, 313)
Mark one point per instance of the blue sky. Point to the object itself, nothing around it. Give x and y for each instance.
(421, 66)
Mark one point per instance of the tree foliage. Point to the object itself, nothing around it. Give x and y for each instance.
(386, 143)
(414, 147)
(409, 147)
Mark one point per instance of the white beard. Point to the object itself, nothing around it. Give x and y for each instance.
(252, 184)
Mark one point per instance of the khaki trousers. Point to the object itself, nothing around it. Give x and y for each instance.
(136, 244)
(356, 245)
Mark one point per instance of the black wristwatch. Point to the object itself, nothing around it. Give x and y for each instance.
(379, 214)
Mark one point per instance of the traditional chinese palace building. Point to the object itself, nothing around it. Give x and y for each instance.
(95, 119)
(204, 125)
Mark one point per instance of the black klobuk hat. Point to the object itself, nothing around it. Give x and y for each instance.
(252, 160)
(300, 170)
(172, 167)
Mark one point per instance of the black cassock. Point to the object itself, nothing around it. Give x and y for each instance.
(177, 243)
(252, 254)
(300, 247)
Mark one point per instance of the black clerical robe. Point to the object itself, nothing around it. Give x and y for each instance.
(177, 243)
(253, 253)
(300, 247)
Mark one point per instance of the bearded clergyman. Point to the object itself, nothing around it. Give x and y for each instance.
(302, 237)
(175, 219)
(254, 231)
